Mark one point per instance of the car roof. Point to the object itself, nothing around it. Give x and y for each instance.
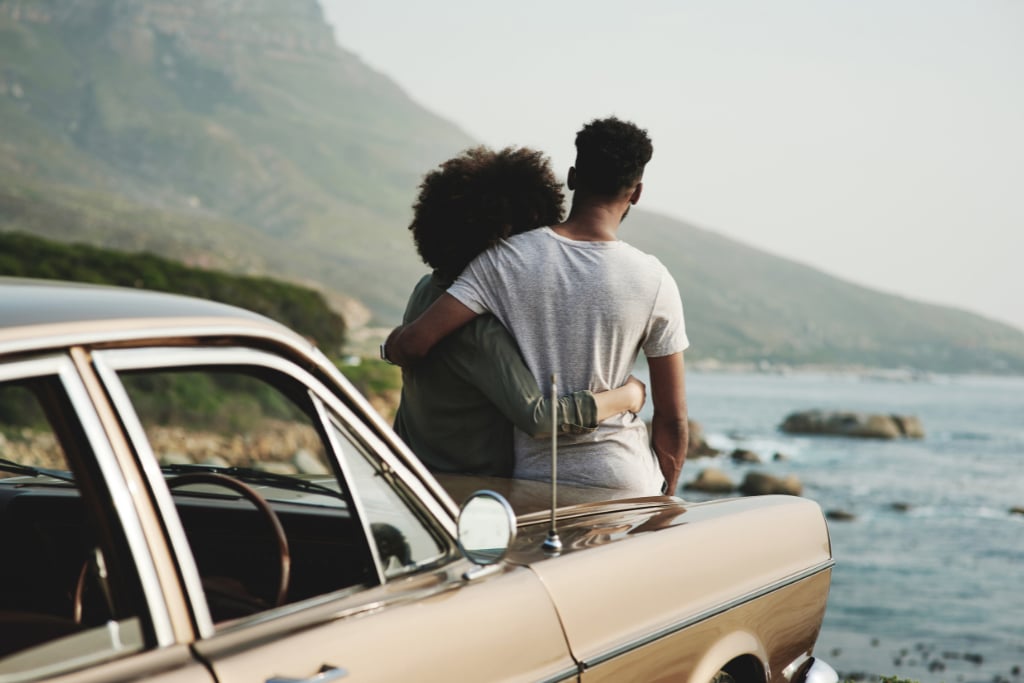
(39, 302)
(42, 310)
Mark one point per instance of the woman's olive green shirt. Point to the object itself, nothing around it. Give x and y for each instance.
(459, 404)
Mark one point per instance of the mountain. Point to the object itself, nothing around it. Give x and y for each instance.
(743, 304)
(240, 136)
(231, 134)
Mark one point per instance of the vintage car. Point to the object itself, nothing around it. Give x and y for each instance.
(191, 492)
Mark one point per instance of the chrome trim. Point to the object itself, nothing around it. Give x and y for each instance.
(32, 367)
(114, 331)
(426, 484)
(794, 667)
(184, 559)
(121, 497)
(117, 486)
(346, 472)
(818, 672)
(707, 614)
(510, 515)
(564, 675)
(325, 675)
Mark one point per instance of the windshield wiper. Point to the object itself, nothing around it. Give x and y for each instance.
(251, 475)
(18, 468)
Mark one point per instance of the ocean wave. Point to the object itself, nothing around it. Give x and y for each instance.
(962, 436)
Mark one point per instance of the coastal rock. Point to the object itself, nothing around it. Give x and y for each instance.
(1018, 510)
(175, 458)
(697, 446)
(306, 462)
(761, 484)
(711, 480)
(910, 426)
(277, 467)
(853, 424)
(743, 455)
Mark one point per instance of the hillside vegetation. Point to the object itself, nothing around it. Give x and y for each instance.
(241, 137)
(299, 308)
(242, 124)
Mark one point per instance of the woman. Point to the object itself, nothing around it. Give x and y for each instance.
(459, 405)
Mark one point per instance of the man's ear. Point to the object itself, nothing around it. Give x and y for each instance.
(570, 181)
(637, 191)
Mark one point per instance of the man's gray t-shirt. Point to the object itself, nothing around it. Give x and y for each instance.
(582, 311)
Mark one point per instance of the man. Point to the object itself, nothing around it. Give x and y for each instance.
(581, 305)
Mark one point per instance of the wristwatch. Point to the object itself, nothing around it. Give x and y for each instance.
(384, 353)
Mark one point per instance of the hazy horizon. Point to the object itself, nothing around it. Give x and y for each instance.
(880, 142)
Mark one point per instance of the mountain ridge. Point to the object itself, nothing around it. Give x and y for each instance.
(240, 136)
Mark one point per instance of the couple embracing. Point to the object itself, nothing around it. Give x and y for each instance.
(518, 295)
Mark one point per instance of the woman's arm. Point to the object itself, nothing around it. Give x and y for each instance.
(489, 359)
(629, 398)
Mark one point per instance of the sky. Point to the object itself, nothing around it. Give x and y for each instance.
(881, 141)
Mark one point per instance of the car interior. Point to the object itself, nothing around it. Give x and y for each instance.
(67, 568)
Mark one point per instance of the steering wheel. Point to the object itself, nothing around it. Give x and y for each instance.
(247, 492)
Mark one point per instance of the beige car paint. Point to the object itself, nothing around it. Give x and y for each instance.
(434, 628)
(775, 629)
(646, 589)
(701, 560)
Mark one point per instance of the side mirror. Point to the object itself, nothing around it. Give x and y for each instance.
(486, 528)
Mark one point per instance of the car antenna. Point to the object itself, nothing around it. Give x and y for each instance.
(553, 544)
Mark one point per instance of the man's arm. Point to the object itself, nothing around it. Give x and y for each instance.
(670, 432)
(409, 343)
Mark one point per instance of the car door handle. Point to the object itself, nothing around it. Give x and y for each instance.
(327, 673)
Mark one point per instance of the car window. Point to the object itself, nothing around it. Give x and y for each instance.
(278, 498)
(404, 540)
(69, 595)
(267, 518)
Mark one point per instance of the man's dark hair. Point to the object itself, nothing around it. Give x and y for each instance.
(610, 156)
(481, 196)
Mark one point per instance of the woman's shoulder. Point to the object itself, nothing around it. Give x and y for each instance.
(423, 294)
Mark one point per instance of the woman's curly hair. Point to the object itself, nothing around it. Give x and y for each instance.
(470, 202)
(611, 155)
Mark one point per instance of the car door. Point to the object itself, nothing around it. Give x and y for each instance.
(80, 597)
(377, 591)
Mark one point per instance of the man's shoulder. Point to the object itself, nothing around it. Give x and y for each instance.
(649, 260)
(535, 236)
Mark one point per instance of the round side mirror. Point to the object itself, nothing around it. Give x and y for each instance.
(486, 528)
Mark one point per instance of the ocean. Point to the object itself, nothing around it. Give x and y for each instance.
(929, 576)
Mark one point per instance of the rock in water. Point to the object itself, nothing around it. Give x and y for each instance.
(853, 424)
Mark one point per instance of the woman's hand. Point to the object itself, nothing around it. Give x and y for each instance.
(637, 393)
(629, 398)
